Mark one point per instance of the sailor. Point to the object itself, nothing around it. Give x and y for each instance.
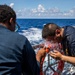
(17, 56)
(65, 35)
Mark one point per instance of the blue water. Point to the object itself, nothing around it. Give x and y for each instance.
(29, 23)
(31, 28)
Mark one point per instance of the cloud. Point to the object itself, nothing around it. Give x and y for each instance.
(70, 13)
(42, 12)
(11, 5)
(40, 8)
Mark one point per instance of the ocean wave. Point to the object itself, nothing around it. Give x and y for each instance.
(33, 35)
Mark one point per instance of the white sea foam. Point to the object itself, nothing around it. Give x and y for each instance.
(33, 35)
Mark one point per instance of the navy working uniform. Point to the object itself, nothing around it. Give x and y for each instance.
(69, 40)
(17, 57)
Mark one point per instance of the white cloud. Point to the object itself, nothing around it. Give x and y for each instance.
(41, 12)
(70, 13)
(34, 10)
(54, 10)
(11, 5)
(40, 8)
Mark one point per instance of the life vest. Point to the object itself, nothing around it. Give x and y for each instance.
(60, 63)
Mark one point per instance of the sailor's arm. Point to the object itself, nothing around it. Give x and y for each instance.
(69, 59)
(58, 55)
(40, 54)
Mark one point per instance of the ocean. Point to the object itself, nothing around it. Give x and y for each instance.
(31, 28)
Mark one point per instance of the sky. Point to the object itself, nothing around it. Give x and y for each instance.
(42, 8)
